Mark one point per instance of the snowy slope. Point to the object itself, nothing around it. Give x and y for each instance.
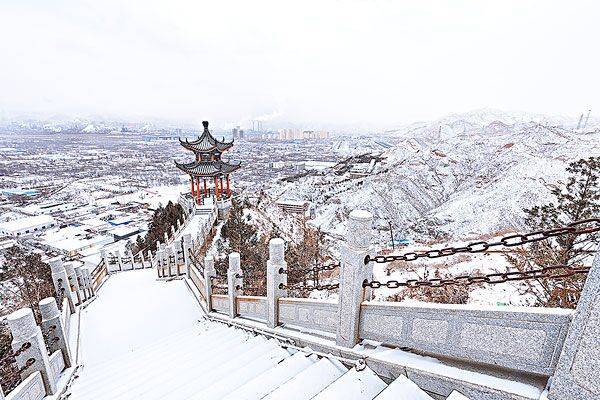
(461, 176)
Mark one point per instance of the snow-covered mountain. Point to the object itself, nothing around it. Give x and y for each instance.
(461, 176)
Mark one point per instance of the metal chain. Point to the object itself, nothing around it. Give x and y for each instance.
(308, 288)
(551, 272)
(507, 241)
(316, 270)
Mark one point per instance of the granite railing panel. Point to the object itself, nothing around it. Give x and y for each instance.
(57, 364)
(524, 339)
(32, 388)
(66, 317)
(307, 313)
(98, 274)
(220, 303)
(252, 307)
(198, 281)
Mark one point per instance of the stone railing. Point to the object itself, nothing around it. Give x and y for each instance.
(535, 343)
(43, 354)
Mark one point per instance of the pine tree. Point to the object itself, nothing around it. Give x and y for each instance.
(576, 199)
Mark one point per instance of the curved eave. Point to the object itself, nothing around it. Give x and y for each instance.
(207, 168)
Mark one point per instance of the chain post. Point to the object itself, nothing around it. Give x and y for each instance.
(209, 273)
(275, 263)
(166, 235)
(150, 260)
(61, 281)
(187, 250)
(119, 260)
(53, 328)
(79, 288)
(576, 375)
(72, 275)
(28, 341)
(235, 282)
(353, 272)
(159, 263)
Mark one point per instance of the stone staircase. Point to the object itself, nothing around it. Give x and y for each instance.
(214, 361)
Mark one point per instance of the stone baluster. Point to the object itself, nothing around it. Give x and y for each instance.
(142, 259)
(104, 256)
(276, 276)
(166, 237)
(173, 231)
(150, 260)
(353, 272)
(178, 225)
(187, 252)
(576, 376)
(209, 273)
(169, 257)
(88, 279)
(119, 260)
(54, 330)
(159, 263)
(29, 342)
(130, 255)
(79, 279)
(175, 257)
(72, 275)
(61, 282)
(235, 282)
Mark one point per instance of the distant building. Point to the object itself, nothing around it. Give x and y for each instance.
(27, 226)
(292, 206)
(19, 192)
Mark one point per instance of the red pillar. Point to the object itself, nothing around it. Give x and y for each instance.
(205, 188)
(193, 192)
(228, 188)
(217, 188)
(198, 190)
(221, 186)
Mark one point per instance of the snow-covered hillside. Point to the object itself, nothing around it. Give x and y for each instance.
(458, 177)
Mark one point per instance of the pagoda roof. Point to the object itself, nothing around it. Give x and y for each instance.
(207, 168)
(206, 143)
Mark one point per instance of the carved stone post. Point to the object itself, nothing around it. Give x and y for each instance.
(175, 257)
(187, 250)
(576, 376)
(150, 258)
(73, 280)
(276, 275)
(130, 255)
(28, 339)
(88, 279)
(119, 260)
(142, 259)
(166, 237)
(104, 256)
(235, 281)
(178, 224)
(173, 231)
(209, 273)
(54, 330)
(159, 263)
(61, 281)
(353, 272)
(81, 289)
(169, 256)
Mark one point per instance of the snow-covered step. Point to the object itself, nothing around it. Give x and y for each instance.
(310, 381)
(270, 380)
(403, 389)
(190, 369)
(134, 370)
(457, 396)
(354, 385)
(205, 373)
(231, 382)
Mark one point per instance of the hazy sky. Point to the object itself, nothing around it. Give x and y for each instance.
(380, 62)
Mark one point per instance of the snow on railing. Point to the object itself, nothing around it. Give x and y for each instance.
(527, 340)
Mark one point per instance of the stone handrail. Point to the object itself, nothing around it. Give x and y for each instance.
(530, 341)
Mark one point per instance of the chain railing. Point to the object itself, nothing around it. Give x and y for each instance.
(309, 288)
(552, 272)
(507, 241)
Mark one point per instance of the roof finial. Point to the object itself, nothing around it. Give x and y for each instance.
(205, 124)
